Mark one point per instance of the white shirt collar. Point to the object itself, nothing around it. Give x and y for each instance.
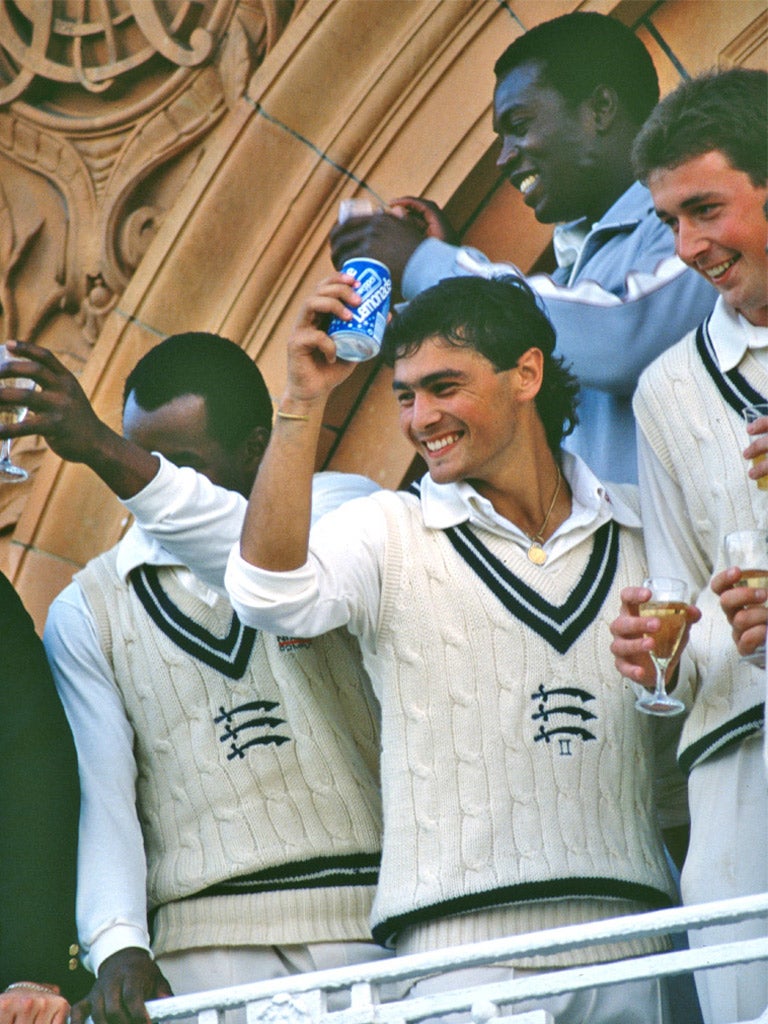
(139, 548)
(568, 241)
(445, 505)
(732, 335)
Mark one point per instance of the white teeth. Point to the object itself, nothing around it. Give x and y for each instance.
(527, 183)
(440, 442)
(720, 269)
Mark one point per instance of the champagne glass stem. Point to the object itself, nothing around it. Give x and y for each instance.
(10, 473)
(660, 693)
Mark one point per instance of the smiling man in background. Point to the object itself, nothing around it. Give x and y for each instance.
(570, 97)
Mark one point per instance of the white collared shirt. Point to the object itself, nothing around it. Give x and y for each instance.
(206, 520)
(732, 336)
(340, 584)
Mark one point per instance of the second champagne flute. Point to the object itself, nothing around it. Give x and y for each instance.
(750, 414)
(668, 603)
(9, 472)
(748, 549)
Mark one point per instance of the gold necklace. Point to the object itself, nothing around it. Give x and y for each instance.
(536, 552)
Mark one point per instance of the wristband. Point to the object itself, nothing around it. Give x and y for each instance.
(33, 986)
(291, 416)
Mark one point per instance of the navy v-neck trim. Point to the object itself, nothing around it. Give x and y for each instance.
(732, 385)
(228, 654)
(559, 625)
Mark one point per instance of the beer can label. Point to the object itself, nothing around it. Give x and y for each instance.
(360, 338)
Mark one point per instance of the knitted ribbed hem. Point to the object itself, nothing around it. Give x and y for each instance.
(503, 922)
(729, 733)
(285, 917)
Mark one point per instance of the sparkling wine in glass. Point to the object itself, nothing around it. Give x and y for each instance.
(750, 414)
(9, 472)
(748, 550)
(668, 603)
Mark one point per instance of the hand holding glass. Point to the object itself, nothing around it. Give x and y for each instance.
(9, 472)
(750, 413)
(669, 604)
(748, 550)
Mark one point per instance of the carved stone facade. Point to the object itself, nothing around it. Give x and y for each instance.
(179, 164)
(105, 112)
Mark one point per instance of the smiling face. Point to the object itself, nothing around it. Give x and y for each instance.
(716, 215)
(551, 151)
(178, 430)
(459, 413)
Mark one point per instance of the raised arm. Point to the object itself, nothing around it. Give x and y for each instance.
(391, 235)
(276, 528)
(60, 412)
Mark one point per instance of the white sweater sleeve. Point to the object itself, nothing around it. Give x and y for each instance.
(670, 546)
(192, 518)
(200, 523)
(340, 585)
(111, 870)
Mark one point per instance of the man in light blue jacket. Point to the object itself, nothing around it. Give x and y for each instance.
(570, 97)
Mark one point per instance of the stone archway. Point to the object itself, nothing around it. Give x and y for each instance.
(326, 99)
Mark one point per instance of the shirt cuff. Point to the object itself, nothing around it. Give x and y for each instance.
(153, 498)
(111, 940)
(254, 591)
(178, 498)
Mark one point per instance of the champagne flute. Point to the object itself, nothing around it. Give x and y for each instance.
(748, 550)
(9, 472)
(668, 603)
(750, 414)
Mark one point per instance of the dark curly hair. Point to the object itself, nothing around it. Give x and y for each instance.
(501, 319)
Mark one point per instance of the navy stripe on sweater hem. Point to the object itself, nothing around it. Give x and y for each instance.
(733, 731)
(315, 873)
(387, 931)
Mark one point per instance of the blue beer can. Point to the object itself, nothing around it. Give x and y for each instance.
(360, 338)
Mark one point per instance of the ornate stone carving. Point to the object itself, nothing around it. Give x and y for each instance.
(105, 110)
(93, 44)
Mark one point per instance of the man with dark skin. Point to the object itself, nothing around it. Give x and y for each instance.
(570, 97)
(136, 630)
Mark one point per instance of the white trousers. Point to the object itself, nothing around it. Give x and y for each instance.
(635, 1002)
(728, 857)
(197, 970)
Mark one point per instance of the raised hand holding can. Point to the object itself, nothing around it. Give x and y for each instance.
(360, 338)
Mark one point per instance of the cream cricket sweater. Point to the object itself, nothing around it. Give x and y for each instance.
(690, 414)
(257, 762)
(517, 775)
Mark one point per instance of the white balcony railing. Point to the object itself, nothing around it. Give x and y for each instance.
(303, 999)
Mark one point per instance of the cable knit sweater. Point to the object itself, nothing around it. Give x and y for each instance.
(517, 774)
(257, 767)
(689, 412)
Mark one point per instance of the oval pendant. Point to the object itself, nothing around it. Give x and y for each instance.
(537, 554)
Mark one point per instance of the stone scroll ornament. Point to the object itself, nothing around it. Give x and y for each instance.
(106, 108)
